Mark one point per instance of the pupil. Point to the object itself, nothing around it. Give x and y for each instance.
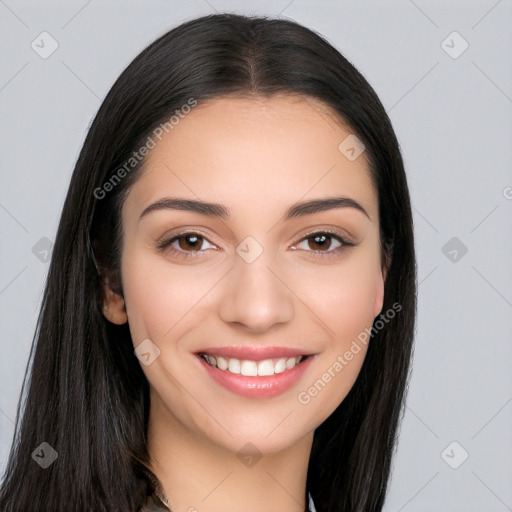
(190, 241)
(323, 239)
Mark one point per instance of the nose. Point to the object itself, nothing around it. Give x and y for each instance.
(256, 295)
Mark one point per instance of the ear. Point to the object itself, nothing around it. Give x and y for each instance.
(113, 306)
(379, 296)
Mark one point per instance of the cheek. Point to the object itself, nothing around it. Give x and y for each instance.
(162, 299)
(344, 296)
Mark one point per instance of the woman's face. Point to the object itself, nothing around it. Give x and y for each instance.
(256, 286)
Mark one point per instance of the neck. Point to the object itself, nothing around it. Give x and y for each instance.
(197, 475)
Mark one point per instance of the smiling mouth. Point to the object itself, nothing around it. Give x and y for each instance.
(251, 368)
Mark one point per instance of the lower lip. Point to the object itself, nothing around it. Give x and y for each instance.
(257, 387)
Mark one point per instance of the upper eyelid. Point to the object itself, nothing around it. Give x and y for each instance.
(339, 233)
(165, 239)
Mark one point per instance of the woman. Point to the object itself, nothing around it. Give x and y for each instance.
(229, 313)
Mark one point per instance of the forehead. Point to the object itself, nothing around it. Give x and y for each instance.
(254, 151)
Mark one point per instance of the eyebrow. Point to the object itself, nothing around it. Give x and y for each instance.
(220, 211)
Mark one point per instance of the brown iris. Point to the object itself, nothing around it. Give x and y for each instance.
(190, 242)
(322, 240)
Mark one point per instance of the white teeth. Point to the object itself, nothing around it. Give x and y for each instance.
(266, 367)
(222, 363)
(253, 368)
(290, 362)
(280, 366)
(234, 366)
(249, 368)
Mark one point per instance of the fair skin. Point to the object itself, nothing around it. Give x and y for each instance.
(257, 157)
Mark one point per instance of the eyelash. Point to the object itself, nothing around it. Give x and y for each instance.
(166, 244)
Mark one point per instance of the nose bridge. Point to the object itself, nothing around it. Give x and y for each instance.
(255, 296)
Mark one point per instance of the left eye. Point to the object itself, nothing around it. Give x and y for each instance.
(321, 242)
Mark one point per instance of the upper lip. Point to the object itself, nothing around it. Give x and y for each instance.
(254, 353)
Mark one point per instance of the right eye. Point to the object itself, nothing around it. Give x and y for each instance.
(188, 242)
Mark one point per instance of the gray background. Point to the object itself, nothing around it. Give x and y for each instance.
(453, 119)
